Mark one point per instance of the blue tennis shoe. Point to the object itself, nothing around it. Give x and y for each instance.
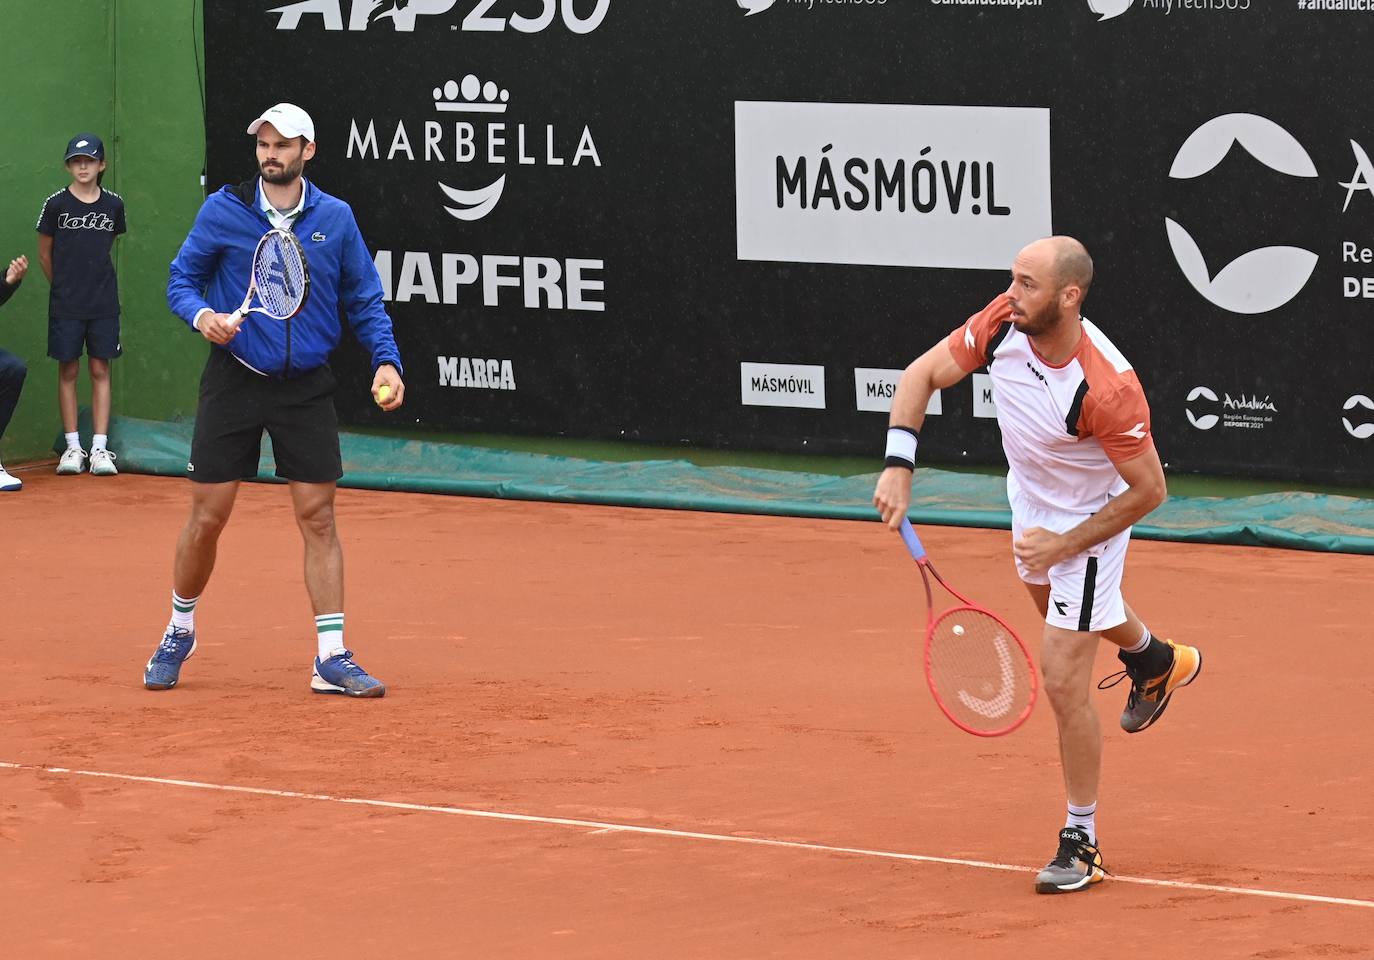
(339, 674)
(164, 668)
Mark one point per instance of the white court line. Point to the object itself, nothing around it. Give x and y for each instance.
(599, 827)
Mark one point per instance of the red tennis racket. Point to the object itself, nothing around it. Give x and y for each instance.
(977, 667)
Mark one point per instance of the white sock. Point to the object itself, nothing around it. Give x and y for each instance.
(98, 442)
(183, 612)
(1140, 645)
(73, 441)
(329, 631)
(1084, 819)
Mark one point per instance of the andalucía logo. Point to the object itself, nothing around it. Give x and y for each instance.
(490, 142)
(1247, 412)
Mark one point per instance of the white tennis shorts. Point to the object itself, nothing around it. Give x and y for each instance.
(1085, 590)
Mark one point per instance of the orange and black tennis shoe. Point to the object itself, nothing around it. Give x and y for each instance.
(1150, 693)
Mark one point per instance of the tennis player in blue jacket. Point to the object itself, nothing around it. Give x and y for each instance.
(265, 374)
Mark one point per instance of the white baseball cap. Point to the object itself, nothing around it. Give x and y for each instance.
(289, 119)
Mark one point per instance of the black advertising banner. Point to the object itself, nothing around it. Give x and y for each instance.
(733, 222)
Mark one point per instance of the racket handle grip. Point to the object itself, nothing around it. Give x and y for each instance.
(912, 541)
(235, 319)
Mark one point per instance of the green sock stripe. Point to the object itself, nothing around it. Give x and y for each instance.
(329, 628)
(184, 608)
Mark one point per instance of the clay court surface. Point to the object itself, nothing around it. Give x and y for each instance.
(727, 677)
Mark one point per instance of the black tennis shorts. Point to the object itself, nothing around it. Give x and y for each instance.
(97, 337)
(237, 405)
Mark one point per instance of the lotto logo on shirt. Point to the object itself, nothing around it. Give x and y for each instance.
(87, 221)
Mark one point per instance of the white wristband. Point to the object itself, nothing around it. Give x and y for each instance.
(901, 447)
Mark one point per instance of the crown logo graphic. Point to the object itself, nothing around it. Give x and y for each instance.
(470, 96)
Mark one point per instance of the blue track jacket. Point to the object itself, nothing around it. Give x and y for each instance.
(212, 270)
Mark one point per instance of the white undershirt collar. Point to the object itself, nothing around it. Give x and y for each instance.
(279, 220)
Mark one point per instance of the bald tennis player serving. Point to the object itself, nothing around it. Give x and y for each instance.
(1082, 469)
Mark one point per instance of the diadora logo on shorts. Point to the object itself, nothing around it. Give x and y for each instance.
(1360, 431)
(1247, 412)
(402, 15)
(477, 373)
(490, 143)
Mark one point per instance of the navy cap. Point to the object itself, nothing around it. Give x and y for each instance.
(85, 145)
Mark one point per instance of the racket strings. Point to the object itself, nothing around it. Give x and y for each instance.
(979, 670)
(279, 273)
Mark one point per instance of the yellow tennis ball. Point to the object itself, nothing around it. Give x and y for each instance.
(383, 393)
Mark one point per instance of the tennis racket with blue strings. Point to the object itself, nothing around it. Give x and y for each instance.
(279, 281)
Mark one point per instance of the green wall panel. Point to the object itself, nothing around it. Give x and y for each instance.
(126, 70)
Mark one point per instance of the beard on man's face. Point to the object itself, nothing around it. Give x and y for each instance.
(1041, 321)
(281, 172)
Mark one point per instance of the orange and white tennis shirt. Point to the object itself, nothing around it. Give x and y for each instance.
(1063, 427)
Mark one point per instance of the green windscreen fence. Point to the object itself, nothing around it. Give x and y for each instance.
(1303, 521)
